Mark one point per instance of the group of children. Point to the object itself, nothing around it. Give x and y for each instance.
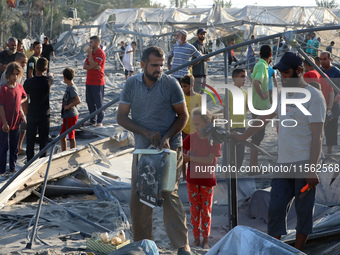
(199, 154)
(14, 106)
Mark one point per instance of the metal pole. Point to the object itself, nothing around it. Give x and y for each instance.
(249, 42)
(233, 186)
(51, 20)
(226, 149)
(37, 215)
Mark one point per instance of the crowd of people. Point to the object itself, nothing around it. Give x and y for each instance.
(165, 111)
(296, 146)
(25, 103)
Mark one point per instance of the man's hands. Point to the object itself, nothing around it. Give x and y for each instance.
(157, 140)
(89, 51)
(5, 127)
(265, 95)
(186, 158)
(337, 98)
(312, 179)
(2, 67)
(238, 136)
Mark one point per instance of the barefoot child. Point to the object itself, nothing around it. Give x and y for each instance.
(69, 111)
(12, 95)
(200, 183)
(192, 100)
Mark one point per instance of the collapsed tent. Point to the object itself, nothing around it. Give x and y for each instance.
(156, 26)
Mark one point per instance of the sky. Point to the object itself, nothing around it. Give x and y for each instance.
(242, 3)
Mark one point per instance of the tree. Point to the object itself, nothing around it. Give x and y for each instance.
(181, 4)
(8, 17)
(224, 4)
(327, 4)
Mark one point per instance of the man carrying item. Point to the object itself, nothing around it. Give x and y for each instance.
(8, 56)
(260, 94)
(128, 59)
(181, 53)
(299, 147)
(158, 114)
(331, 129)
(95, 80)
(47, 51)
(200, 70)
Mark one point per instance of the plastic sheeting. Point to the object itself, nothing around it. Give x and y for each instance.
(327, 194)
(246, 240)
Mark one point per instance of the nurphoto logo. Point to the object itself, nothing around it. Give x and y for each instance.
(238, 104)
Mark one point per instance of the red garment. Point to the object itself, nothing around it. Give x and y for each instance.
(315, 76)
(200, 198)
(232, 51)
(197, 173)
(70, 123)
(95, 77)
(10, 99)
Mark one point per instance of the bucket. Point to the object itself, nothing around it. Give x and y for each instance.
(170, 166)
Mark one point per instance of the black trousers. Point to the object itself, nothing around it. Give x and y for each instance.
(230, 60)
(34, 125)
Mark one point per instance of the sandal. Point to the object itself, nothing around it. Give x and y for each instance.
(87, 124)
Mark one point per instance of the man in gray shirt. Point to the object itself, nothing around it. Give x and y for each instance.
(158, 114)
(200, 70)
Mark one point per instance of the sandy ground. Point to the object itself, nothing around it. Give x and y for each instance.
(55, 222)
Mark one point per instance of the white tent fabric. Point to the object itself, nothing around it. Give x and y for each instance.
(20, 181)
(156, 26)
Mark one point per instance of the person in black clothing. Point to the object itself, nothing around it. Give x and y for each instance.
(8, 56)
(47, 52)
(38, 110)
(122, 48)
(200, 70)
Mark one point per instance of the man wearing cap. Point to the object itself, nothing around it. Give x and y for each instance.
(200, 70)
(181, 53)
(299, 148)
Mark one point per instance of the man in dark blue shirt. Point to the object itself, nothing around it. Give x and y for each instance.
(331, 127)
(200, 70)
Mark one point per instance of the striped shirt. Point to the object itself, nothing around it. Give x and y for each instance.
(182, 54)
